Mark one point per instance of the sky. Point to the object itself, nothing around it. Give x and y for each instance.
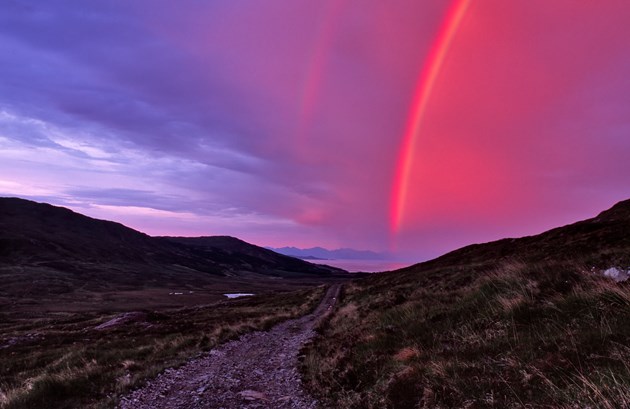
(403, 126)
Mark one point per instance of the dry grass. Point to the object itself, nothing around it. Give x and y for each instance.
(406, 354)
(60, 361)
(517, 335)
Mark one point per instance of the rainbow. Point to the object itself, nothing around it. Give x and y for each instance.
(422, 95)
(317, 64)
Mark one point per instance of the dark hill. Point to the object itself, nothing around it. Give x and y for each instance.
(49, 250)
(602, 241)
(225, 250)
(530, 322)
(39, 232)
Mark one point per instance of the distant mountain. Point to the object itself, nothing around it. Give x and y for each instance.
(52, 249)
(319, 253)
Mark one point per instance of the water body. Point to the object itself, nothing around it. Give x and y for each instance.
(236, 295)
(365, 266)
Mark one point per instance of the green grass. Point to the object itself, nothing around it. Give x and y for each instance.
(58, 360)
(518, 335)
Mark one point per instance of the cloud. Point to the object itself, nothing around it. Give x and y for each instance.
(194, 109)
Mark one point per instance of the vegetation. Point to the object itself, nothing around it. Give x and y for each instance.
(62, 360)
(518, 336)
(522, 323)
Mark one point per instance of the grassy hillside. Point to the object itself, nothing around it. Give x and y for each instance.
(516, 323)
(52, 258)
(44, 235)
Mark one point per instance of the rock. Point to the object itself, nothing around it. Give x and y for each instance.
(251, 395)
(121, 319)
(617, 274)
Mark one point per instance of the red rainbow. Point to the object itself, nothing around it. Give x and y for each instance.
(422, 94)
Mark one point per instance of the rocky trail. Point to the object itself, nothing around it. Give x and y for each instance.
(259, 370)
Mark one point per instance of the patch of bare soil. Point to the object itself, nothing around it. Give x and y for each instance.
(259, 370)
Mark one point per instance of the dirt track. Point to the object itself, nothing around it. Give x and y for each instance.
(259, 370)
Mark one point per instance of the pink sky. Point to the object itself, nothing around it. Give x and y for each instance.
(282, 122)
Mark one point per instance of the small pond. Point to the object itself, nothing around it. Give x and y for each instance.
(236, 295)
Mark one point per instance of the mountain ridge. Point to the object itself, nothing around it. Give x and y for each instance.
(326, 254)
(53, 250)
(574, 240)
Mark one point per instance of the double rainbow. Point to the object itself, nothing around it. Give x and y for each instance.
(319, 58)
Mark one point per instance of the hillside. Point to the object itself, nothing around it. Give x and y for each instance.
(529, 322)
(601, 241)
(38, 232)
(49, 252)
(90, 309)
(236, 255)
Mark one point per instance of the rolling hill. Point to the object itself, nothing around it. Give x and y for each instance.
(530, 322)
(48, 251)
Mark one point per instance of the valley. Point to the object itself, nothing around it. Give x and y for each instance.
(90, 309)
(53, 259)
(539, 321)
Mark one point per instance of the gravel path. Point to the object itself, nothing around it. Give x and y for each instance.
(259, 370)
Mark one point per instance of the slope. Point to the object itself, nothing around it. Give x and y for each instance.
(49, 252)
(226, 250)
(528, 322)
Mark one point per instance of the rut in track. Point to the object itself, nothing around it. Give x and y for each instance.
(259, 370)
